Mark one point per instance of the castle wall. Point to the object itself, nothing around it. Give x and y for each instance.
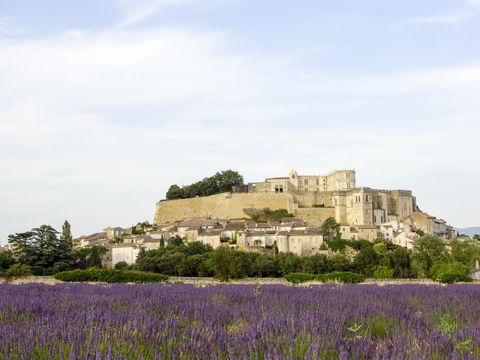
(221, 206)
(315, 216)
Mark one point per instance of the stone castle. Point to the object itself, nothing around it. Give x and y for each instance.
(222, 219)
(312, 198)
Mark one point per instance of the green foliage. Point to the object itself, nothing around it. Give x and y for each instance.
(289, 263)
(110, 276)
(18, 270)
(383, 272)
(193, 265)
(268, 215)
(428, 250)
(122, 265)
(6, 260)
(380, 248)
(331, 229)
(297, 278)
(227, 263)
(343, 277)
(66, 236)
(265, 266)
(400, 261)
(85, 258)
(223, 181)
(447, 325)
(450, 272)
(339, 262)
(465, 251)
(366, 261)
(42, 249)
(316, 264)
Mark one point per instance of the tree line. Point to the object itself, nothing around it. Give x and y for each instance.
(223, 181)
(45, 251)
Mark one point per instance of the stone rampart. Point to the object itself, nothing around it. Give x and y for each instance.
(221, 206)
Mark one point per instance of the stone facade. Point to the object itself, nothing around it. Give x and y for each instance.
(313, 198)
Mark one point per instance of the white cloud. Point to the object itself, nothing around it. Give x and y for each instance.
(7, 27)
(475, 3)
(442, 19)
(139, 10)
(96, 125)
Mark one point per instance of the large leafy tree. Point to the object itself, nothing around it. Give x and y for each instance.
(331, 229)
(223, 181)
(42, 249)
(428, 250)
(465, 251)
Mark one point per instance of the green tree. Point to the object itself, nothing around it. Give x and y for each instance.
(383, 272)
(42, 249)
(66, 237)
(265, 266)
(122, 265)
(476, 237)
(449, 271)
(94, 257)
(428, 250)
(331, 229)
(465, 251)
(316, 264)
(6, 260)
(289, 263)
(226, 263)
(18, 270)
(175, 192)
(400, 262)
(223, 181)
(366, 261)
(339, 263)
(380, 248)
(192, 265)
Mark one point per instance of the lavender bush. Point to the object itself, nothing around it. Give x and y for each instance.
(79, 321)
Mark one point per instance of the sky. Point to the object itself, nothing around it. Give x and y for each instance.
(106, 103)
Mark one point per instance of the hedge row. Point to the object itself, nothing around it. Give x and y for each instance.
(110, 276)
(344, 277)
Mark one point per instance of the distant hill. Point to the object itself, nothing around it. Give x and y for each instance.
(469, 231)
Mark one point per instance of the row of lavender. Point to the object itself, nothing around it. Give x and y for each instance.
(239, 322)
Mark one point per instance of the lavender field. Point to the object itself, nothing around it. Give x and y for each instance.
(239, 322)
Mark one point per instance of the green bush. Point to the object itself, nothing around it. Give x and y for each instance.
(450, 272)
(383, 272)
(297, 278)
(110, 276)
(18, 270)
(122, 265)
(344, 277)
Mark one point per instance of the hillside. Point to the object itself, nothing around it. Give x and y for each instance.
(470, 231)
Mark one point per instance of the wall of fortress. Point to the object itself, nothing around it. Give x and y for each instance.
(221, 206)
(354, 207)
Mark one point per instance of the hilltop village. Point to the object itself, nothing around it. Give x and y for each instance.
(286, 213)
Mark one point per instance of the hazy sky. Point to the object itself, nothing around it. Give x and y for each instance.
(105, 103)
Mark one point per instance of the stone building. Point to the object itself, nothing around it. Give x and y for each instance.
(311, 198)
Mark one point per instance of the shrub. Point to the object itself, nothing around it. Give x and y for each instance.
(344, 277)
(383, 272)
(449, 272)
(122, 265)
(18, 270)
(110, 276)
(297, 278)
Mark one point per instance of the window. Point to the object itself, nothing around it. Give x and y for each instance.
(318, 182)
(306, 182)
